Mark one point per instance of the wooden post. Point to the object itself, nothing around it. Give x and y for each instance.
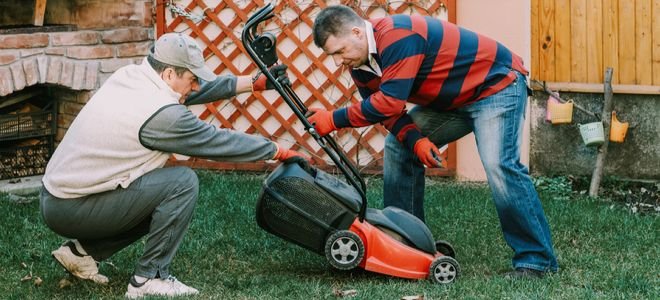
(602, 150)
(160, 18)
(39, 12)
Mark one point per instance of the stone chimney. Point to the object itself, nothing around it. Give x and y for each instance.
(96, 39)
(57, 65)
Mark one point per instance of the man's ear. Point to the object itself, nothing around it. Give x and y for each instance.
(166, 75)
(357, 31)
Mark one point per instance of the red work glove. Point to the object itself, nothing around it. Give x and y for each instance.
(284, 154)
(322, 120)
(427, 152)
(261, 83)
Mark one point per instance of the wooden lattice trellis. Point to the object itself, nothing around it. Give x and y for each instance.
(319, 83)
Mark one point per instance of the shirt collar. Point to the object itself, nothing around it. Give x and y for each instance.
(159, 82)
(370, 37)
(372, 65)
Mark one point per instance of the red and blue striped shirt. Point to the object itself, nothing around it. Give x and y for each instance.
(428, 62)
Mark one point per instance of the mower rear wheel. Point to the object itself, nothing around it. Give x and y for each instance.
(444, 269)
(344, 249)
(445, 248)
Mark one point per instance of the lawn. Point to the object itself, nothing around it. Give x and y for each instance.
(605, 251)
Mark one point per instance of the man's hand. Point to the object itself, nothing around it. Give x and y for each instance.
(427, 152)
(322, 121)
(284, 154)
(278, 71)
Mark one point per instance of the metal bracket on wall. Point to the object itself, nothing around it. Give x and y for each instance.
(178, 10)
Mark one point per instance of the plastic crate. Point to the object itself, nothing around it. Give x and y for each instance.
(24, 161)
(25, 125)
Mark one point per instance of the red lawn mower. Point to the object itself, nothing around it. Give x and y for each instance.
(317, 211)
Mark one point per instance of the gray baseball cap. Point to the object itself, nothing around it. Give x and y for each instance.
(181, 50)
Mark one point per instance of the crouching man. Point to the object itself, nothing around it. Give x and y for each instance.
(105, 186)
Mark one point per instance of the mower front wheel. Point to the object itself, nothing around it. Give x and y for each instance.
(344, 249)
(444, 269)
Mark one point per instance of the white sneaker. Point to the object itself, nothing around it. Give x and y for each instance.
(76, 261)
(169, 287)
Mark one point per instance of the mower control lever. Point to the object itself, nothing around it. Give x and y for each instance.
(436, 158)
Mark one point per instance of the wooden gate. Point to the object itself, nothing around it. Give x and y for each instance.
(217, 25)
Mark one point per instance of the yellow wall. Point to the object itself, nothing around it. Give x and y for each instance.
(509, 23)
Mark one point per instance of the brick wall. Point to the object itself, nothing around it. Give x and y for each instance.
(85, 14)
(77, 61)
(70, 103)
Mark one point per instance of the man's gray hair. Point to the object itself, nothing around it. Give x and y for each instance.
(159, 66)
(334, 20)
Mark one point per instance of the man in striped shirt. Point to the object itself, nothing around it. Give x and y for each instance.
(461, 82)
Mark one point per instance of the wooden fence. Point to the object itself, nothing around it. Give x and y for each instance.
(217, 25)
(573, 41)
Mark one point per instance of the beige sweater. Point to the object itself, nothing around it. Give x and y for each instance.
(101, 149)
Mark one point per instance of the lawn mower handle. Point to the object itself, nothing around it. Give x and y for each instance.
(328, 144)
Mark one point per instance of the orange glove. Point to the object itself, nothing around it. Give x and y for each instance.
(260, 82)
(322, 121)
(284, 154)
(427, 152)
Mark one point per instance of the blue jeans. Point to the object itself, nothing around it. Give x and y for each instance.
(497, 122)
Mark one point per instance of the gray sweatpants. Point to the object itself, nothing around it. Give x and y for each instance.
(159, 205)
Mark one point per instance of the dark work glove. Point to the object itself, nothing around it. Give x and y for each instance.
(278, 71)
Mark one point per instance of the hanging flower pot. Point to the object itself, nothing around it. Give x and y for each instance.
(592, 133)
(618, 129)
(548, 115)
(560, 113)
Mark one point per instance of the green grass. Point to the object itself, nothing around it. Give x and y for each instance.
(604, 251)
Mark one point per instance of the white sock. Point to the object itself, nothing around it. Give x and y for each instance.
(140, 279)
(79, 247)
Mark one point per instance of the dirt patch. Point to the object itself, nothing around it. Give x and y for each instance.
(639, 196)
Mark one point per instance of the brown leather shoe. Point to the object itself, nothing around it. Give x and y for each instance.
(524, 273)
